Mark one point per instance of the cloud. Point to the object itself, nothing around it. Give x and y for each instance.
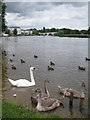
(55, 14)
(46, 0)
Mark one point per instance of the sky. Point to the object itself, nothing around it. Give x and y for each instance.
(72, 15)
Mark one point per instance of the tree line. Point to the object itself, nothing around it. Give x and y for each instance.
(63, 31)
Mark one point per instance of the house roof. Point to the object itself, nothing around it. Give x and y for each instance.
(14, 27)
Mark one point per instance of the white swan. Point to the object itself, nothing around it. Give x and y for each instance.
(24, 82)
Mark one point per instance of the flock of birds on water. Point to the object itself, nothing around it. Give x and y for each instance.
(42, 100)
(35, 56)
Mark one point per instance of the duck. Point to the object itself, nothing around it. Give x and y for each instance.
(88, 59)
(81, 68)
(13, 55)
(4, 53)
(13, 67)
(35, 56)
(11, 60)
(24, 82)
(76, 94)
(44, 94)
(50, 68)
(22, 61)
(51, 63)
(47, 104)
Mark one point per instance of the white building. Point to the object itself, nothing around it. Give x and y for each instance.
(20, 31)
(17, 28)
(26, 32)
(31, 32)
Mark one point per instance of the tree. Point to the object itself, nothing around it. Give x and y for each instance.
(43, 29)
(84, 32)
(76, 31)
(15, 32)
(3, 16)
(53, 30)
(47, 30)
(35, 32)
(66, 30)
(60, 33)
(89, 30)
(7, 31)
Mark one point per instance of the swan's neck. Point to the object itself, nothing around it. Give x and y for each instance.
(82, 92)
(46, 90)
(39, 100)
(45, 87)
(32, 77)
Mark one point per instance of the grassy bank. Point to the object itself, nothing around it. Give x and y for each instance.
(10, 110)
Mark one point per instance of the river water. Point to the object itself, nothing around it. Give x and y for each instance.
(66, 53)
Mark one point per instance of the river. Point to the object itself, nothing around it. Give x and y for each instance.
(67, 54)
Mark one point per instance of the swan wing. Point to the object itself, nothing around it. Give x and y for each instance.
(75, 92)
(22, 83)
(12, 82)
(50, 106)
(48, 102)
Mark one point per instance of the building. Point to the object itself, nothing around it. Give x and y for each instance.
(31, 32)
(17, 28)
(26, 32)
(20, 31)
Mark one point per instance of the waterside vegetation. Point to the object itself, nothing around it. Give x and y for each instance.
(11, 110)
(64, 32)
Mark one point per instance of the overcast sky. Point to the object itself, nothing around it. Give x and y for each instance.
(72, 15)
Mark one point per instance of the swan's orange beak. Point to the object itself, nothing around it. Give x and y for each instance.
(34, 69)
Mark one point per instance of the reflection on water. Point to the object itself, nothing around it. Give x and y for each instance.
(71, 109)
(66, 53)
(81, 105)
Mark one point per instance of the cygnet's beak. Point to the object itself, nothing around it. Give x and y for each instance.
(34, 91)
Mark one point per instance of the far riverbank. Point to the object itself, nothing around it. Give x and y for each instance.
(64, 35)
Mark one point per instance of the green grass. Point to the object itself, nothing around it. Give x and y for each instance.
(10, 110)
(0, 109)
